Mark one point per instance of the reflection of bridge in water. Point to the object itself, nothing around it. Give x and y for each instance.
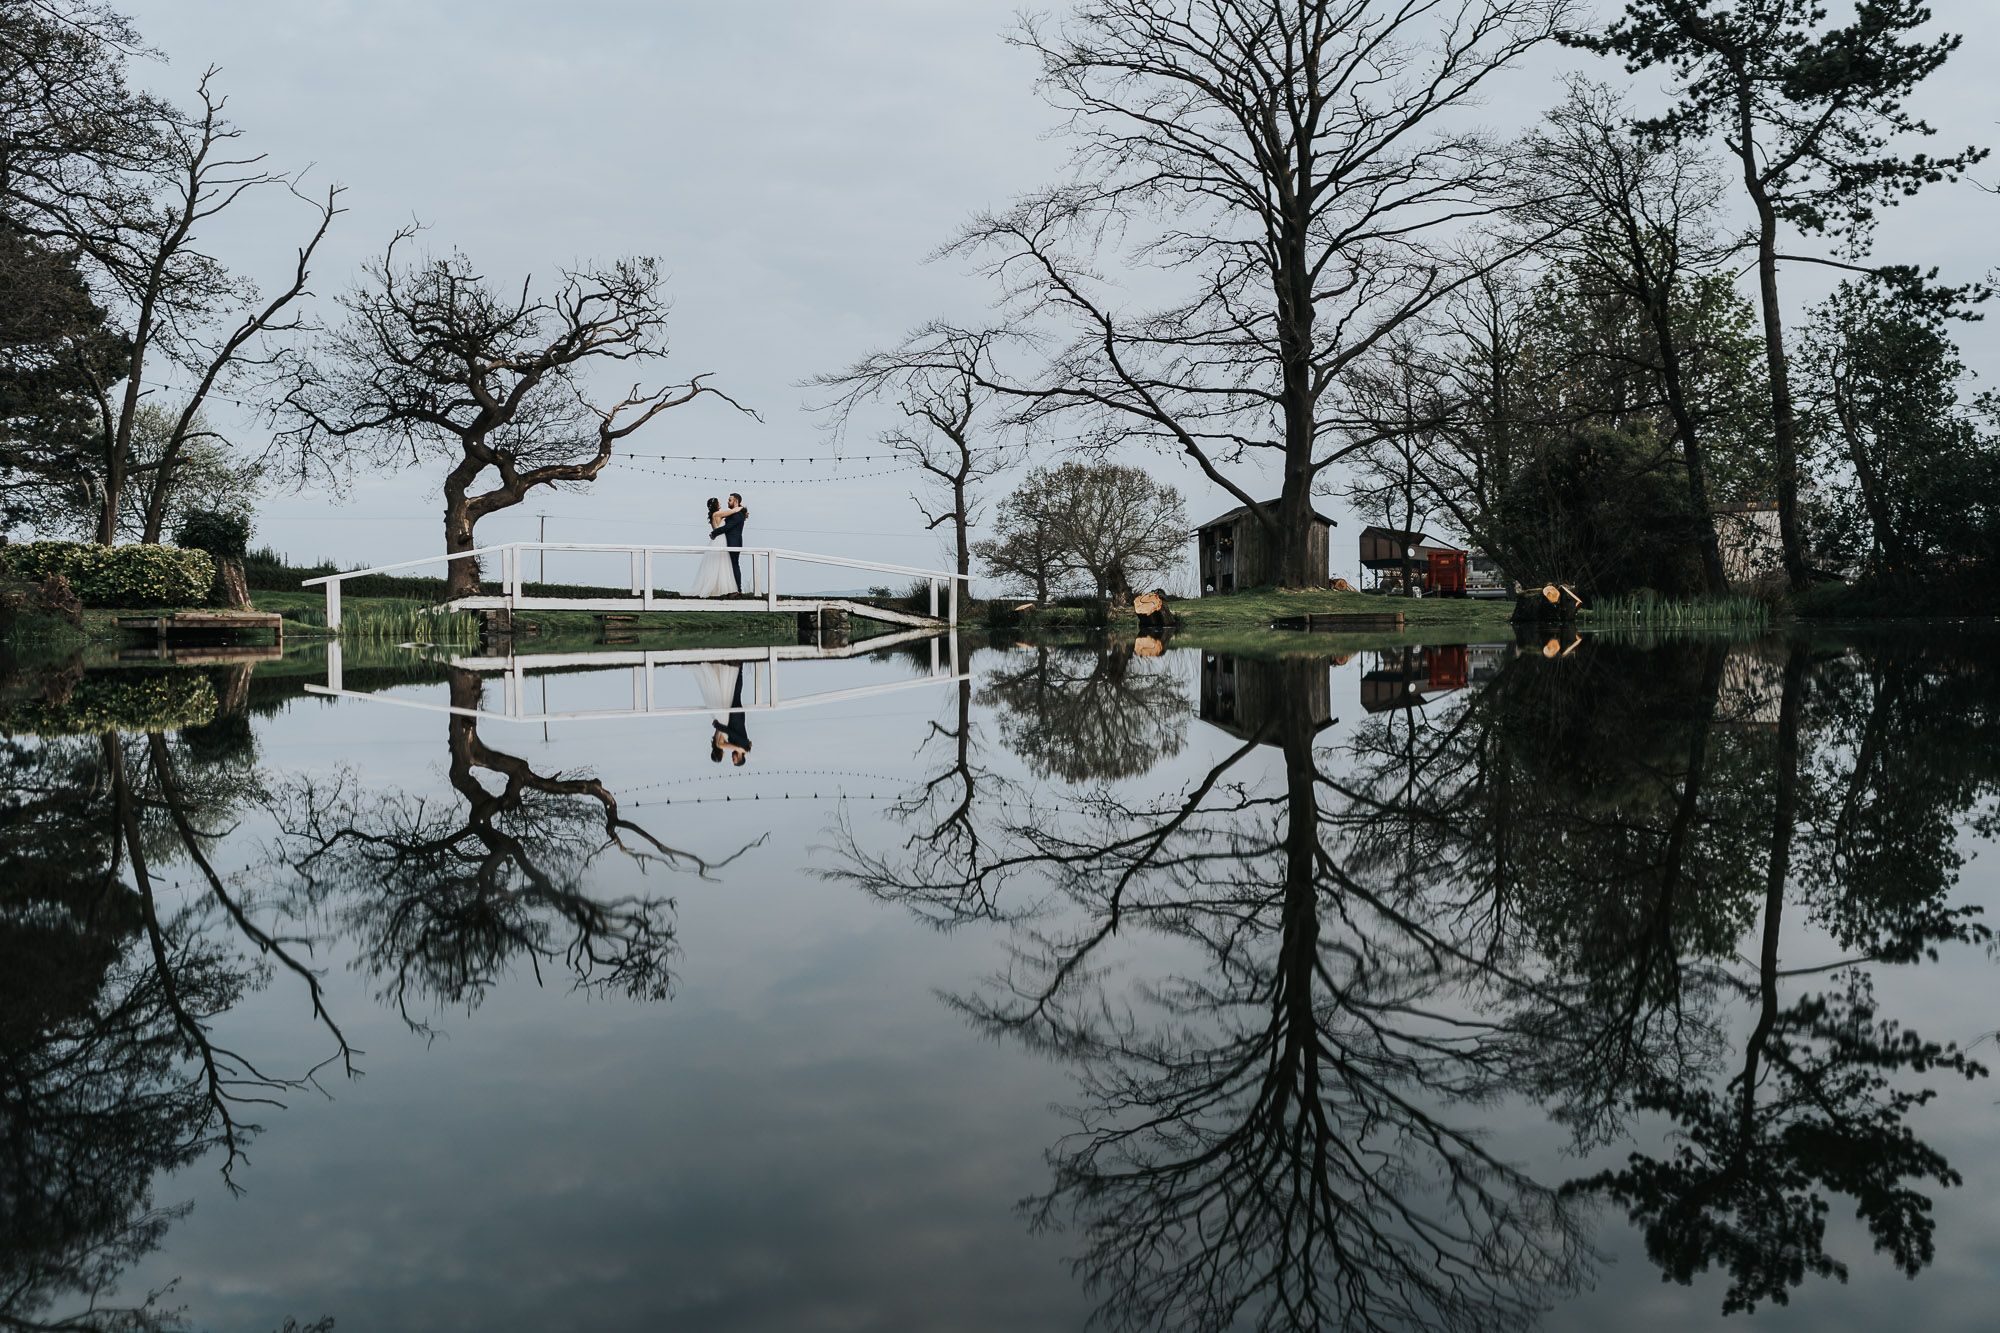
(755, 687)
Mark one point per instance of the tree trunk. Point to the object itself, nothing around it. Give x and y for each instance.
(230, 589)
(158, 495)
(958, 523)
(112, 494)
(1293, 280)
(461, 576)
(1784, 423)
(1712, 573)
(1887, 541)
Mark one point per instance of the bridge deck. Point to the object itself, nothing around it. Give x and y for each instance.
(629, 605)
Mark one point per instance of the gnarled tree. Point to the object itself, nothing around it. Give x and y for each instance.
(433, 363)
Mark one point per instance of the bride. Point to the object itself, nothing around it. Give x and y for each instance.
(715, 577)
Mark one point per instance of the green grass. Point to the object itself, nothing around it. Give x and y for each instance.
(1258, 607)
(1240, 623)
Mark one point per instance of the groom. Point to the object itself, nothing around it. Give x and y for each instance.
(733, 519)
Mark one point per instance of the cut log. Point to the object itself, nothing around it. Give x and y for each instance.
(1342, 585)
(1149, 603)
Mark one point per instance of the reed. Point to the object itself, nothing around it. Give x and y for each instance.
(1736, 611)
(413, 623)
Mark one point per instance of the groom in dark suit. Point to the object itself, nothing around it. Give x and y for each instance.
(732, 535)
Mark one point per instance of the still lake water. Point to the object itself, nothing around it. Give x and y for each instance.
(1459, 987)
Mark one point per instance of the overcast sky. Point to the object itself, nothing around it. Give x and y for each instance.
(791, 163)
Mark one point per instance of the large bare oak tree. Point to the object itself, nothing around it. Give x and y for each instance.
(1288, 181)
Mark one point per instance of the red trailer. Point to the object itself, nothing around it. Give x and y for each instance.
(1445, 576)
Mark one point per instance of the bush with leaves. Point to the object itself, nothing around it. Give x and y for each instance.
(222, 535)
(119, 575)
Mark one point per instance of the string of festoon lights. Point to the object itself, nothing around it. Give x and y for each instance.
(820, 480)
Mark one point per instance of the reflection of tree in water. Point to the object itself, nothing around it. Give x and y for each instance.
(109, 991)
(1270, 1140)
(941, 869)
(1082, 715)
(113, 983)
(1811, 1107)
(1539, 890)
(446, 898)
(1635, 819)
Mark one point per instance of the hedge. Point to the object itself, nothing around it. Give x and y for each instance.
(118, 575)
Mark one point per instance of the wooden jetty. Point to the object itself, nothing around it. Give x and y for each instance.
(1341, 620)
(170, 625)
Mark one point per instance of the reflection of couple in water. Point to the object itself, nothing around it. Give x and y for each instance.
(721, 571)
(722, 689)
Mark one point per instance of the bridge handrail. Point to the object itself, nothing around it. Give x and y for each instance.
(876, 565)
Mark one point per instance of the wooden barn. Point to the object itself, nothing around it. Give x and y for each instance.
(1236, 551)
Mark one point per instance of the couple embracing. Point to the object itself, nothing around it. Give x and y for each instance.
(721, 571)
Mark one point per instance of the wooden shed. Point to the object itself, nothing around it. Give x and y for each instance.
(1386, 548)
(1236, 551)
(1256, 700)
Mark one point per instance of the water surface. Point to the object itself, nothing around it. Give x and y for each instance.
(1461, 986)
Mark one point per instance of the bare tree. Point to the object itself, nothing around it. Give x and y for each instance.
(1300, 169)
(434, 363)
(1401, 397)
(935, 380)
(125, 202)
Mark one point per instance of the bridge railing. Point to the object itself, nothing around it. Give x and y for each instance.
(944, 584)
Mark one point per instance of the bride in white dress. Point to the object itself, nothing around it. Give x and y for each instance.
(714, 577)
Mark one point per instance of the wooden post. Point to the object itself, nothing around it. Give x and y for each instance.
(934, 599)
(954, 606)
(638, 571)
(646, 597)
(770, 580)
(333, 603)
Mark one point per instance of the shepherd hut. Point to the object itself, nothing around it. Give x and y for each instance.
(1236, 550)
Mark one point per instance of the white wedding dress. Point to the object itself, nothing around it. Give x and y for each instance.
(718, 683)
(714, 578)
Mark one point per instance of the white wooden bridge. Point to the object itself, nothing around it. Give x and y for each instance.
(761, 566)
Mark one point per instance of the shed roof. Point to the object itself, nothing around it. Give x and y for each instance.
(1397, 535)
(1242, 510)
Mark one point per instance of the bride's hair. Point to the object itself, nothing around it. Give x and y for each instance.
(713, 504)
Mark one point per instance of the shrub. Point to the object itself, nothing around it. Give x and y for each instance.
(119, 575)
(221, 535)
